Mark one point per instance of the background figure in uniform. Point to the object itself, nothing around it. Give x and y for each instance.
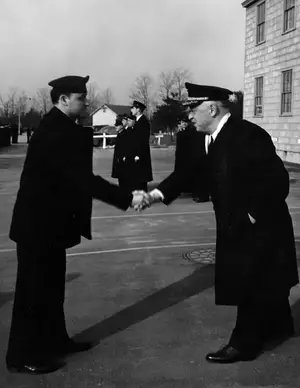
(255, 249)
(14, 133)
(118, 166)
(52, 211)
(138, 156)
(28, 133)
(190, 153)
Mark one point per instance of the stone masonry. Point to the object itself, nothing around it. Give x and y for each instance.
(279, 51)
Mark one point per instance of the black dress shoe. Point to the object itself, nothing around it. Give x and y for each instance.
(75, 347)
(38, 369)
(228, 354)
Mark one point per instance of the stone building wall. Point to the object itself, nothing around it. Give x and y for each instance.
(279, 52)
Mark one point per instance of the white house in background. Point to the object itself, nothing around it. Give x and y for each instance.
(106, 114)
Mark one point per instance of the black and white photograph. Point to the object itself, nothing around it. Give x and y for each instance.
(149, 193)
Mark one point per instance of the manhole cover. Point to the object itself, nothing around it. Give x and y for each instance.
(203, 255)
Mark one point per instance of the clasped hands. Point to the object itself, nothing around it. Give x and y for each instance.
(141, 200)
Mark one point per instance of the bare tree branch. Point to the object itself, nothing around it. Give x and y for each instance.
(180, 77)
(94, 97)
(142, 91)
(43, 98)
(167, 81)
(5, 105)
(9, 104)
(107, 96)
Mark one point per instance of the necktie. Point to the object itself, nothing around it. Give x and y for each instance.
(209, 147)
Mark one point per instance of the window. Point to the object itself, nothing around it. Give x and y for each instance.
(289, 15)
(286, 94)
(261, 21)
(258, 98)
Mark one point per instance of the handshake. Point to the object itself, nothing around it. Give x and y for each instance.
(141, 200)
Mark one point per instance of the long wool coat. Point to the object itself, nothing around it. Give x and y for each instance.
(118, 164)
(54, 201)
(247, 177)
(138, 145)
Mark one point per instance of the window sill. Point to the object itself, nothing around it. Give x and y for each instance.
(258, 116)
(286, 115)
(288, 31)
(259, 43)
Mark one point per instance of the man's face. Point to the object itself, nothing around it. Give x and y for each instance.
(201, 117)
(182, 125)
(76, 104)
(134, 110)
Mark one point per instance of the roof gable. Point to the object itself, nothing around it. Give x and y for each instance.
(118, 109)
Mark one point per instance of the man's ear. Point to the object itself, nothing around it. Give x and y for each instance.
(214, 110)
(64, 99)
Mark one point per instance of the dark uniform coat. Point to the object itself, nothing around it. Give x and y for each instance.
(118, 170)
(247, 177)
(54, 201)
(52, 211)
(138, 145)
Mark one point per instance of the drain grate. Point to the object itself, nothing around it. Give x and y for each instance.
(202, 256)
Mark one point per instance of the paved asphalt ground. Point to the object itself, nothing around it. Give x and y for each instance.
(150, 311)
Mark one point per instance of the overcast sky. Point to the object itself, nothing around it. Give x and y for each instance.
(114, 41)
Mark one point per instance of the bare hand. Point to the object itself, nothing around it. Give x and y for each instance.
(140, 200)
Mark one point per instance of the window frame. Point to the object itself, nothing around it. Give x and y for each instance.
(286, 11)
(259, 96)
(260, 24)
(284, 93)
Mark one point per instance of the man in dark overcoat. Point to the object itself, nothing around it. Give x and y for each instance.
(255, 249)
(52, 211)
(138, 157)
(119, 147)
(123, 165)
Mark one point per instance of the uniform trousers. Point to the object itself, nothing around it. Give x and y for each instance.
(259, 321)
(38, 326)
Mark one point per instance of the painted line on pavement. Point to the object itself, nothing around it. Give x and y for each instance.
(86, 253)
(138, 249)
(152, 214)
(163, 214)
(124, 249)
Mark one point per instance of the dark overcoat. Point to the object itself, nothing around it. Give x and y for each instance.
(137, 144)
(118, 164)
(57, 185)
(247, 177)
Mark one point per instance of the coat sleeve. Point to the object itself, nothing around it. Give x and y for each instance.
(76, 171)
(269, 180)
(174, 184)
(110, 193)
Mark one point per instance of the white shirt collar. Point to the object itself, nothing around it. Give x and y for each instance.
(138, 117)
(217, 131)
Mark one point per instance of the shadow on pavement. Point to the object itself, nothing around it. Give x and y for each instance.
(200, 280)
(8, 296)
(296, 316)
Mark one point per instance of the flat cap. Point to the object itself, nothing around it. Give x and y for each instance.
(70, 84)
(199, 93)
(138, 104)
